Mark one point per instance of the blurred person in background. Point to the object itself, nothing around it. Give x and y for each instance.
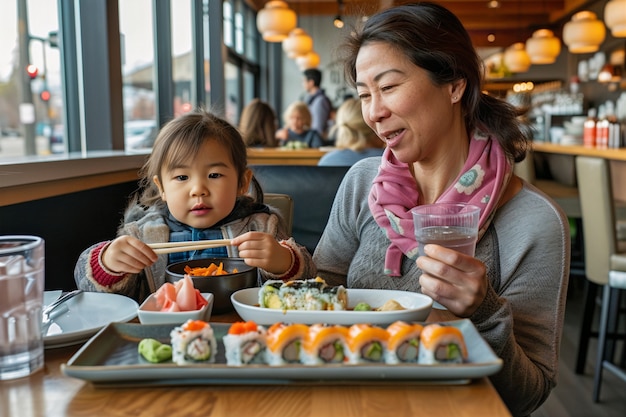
(258, 124)
(297, 132)
(319, 104)
(353, 138)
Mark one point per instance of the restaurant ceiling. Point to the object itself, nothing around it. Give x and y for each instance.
(513, 21)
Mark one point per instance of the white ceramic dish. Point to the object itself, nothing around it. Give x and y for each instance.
(87, 313)
(110, 358)
(417, 307)
(50, 297)
(149, 313)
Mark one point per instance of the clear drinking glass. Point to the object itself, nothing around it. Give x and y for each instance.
(21, 299)
(453, 225)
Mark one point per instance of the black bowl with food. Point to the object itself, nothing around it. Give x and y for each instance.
(221, 286)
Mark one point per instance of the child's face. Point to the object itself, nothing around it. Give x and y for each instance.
(296, 121)
(202, 191)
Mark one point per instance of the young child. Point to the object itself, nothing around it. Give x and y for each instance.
(193, 187)
(297, 119)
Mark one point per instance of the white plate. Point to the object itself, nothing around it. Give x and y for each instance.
(87, 313)
(111, 358)
(418, 306)
(50, 297)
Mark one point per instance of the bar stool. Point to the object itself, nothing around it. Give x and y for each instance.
(605, 263)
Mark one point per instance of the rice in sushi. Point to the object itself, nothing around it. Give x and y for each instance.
(310, 294)
(193, 342)
(442, 344)
(284, 343)
(403, 343)
(325, 344)
(245, 344)
(366, 343)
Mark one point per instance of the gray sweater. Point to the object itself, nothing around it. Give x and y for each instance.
(526, 251)
(149, 226)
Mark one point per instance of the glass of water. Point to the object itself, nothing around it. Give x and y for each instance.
(21, 299)
(453, 225)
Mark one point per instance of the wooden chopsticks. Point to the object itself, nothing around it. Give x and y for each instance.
(171, 247)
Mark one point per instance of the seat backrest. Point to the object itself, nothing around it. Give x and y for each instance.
(313, 190)
(526, 168)
(598, 214)
(284, 204)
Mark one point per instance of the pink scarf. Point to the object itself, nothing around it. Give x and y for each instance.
(482, 181)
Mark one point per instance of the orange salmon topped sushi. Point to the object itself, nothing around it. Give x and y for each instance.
(284, 342)
(403, 343)
(325, 343)
(366, 343)
(442, 344)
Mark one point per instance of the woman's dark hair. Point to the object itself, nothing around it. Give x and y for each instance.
(434, 39)
(180, 140)
(258, 124)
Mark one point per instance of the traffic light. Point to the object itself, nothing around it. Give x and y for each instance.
(45, 95)
(32, 71)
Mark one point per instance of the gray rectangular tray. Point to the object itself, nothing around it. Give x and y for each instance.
(111, 356)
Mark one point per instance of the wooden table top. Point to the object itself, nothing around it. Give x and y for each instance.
(50, 393)
(282, 156)
(576, 150)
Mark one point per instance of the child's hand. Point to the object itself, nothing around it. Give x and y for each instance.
(263, 251)
(128, 254)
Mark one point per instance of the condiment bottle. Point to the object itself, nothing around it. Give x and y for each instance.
(589, 129)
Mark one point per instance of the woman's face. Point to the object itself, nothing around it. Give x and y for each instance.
(202, 191)
(402, 105)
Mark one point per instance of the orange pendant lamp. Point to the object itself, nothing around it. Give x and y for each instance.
(275, 21)
(310, 60)
(584, 33)
(516, 58)
(543, 47)
(298, 43)
(615, 17)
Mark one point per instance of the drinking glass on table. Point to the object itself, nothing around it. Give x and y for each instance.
(452, 225)
(21, 300)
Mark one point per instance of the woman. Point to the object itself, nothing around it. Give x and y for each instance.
(297, 131)
(354, 139)
(258, 124)
(419, 81)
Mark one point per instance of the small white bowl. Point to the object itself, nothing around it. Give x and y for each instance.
(149, 314)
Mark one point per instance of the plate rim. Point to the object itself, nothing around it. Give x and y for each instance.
(77, 336)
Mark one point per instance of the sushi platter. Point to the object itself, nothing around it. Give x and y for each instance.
(111, 357)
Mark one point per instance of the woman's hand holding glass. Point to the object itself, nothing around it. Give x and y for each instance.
(453, 279)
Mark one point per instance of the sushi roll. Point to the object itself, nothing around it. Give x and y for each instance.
(245, 343)
(325, 344)
(310, 294)
(403, 343)
(442, 344)
(284, 343)
(366, 343)
(193, 342)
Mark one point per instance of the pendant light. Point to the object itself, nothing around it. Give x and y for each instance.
(516, 58)
(543, 47)
(297, 43)
(275, 21)
(615, 17)
(310, 60)
(584, 33)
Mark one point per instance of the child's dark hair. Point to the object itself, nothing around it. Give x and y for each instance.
(180, 140)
